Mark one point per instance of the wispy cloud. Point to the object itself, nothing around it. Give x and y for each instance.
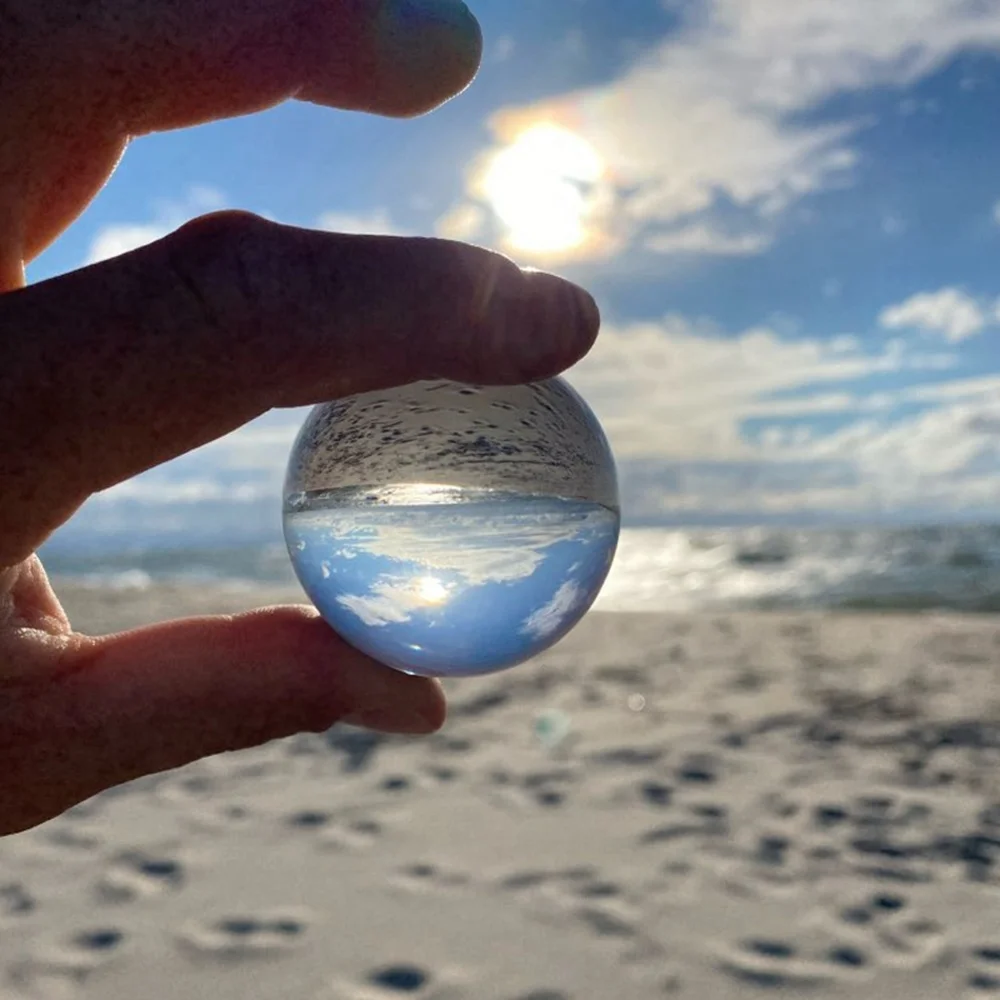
(951, 312)
(375, 223)
(713, 120)
(680, 389)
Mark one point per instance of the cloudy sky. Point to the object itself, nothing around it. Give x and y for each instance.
(790, 213)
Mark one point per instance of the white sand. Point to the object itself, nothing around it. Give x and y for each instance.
(743, 805)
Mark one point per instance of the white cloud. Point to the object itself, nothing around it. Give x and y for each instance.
(550, 617)
(121, 237)
(388, 603)
(830, 433)
(111, 241)
(715, 111)
(700, 238)
(946, 458)
(463, 222)
(950, 312)
(377, 223)
(679, 390)
(160, 491)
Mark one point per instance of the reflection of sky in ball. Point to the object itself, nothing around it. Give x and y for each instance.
(454, 588)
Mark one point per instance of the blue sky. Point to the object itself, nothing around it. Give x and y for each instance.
(789, 213)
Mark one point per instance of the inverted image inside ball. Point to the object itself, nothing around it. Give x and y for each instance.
(449, 529)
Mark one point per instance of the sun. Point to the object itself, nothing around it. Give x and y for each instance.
(432, 590)
(540, 187)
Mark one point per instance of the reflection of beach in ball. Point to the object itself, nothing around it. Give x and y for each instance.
(452, 530)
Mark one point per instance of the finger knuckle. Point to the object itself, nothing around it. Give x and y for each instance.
(214, 260)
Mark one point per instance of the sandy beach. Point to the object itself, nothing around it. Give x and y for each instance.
(702, 806)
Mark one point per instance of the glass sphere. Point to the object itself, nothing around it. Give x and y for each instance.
(452, 530)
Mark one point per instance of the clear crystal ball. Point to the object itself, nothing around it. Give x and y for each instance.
(452, 530)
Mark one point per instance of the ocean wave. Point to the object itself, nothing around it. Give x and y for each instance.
(659, 569)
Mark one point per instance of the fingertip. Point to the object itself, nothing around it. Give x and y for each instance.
(539, 324)
(431, 51)
(420, 711)
(419, 55)
(567, 320)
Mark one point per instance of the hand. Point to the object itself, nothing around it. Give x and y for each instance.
(112, 369)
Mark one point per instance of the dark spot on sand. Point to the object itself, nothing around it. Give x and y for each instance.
(657, 794)
(984, 981)
(606, 924)
(103, 939)
(15, 899)
(888, 902)
(827, 816)
(848, 955)
(239, 926)
(698, 771)
(600, 890)
(400, 978)
(162, 868)
(772, 850)
(309, 819)
(396, 784)
(770, 949)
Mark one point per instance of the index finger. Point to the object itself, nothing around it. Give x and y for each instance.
(123, 365)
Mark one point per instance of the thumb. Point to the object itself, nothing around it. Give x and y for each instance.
(156, 698)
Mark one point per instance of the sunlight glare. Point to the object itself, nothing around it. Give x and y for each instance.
(431, 590)
(538, 187)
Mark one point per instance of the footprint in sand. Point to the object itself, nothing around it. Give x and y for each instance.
(140, 875)
(397, 784)
(772, 964)
(15, 901)
(901, 937)
(400, 978)
(309, 819)
(600, 905)
(985, 975)
(425, 876)
(59, 970)
(246, 936)
(335, 832)
(703, 821)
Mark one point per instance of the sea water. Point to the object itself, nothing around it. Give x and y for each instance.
(449, 581)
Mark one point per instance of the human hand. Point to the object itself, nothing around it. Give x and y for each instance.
(115, 368)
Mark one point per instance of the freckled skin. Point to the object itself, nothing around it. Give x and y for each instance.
(113, 369)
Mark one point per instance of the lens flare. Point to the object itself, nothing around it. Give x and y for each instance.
(541, 187)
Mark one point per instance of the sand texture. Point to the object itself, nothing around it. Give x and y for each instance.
(662, 806)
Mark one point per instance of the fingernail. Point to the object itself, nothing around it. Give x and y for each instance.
(440, 38)
(409, 24)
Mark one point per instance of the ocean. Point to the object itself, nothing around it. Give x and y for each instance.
(667, 569)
